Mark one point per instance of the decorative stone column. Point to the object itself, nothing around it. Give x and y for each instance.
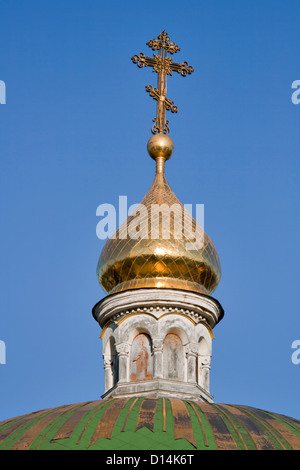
(204, 362)
(191, 355)
(158, 358)
(109, 380)
(123, 360)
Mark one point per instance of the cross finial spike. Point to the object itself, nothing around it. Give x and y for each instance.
(164, 66)
(163, 42)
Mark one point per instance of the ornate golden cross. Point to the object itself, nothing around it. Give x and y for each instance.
(164, 66)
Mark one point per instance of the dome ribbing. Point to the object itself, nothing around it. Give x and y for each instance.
(150, 423)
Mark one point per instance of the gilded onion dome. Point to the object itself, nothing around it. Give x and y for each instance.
(159, 245)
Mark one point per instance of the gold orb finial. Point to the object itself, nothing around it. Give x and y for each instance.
(160, 145)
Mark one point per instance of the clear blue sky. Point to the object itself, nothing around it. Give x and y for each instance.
(73, 135)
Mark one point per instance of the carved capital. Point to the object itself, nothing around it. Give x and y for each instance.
(157, 344)
(205, 362)
(191, 350)
(123, 349)
(107, 363)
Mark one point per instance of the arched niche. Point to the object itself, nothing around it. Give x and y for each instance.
(173, 357)
(135, 324)
(141, 366)
(177, 324)
(114, 361)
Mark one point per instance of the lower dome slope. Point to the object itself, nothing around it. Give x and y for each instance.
(150, 424)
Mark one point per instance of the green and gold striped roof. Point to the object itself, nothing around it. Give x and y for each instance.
(150, 424)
